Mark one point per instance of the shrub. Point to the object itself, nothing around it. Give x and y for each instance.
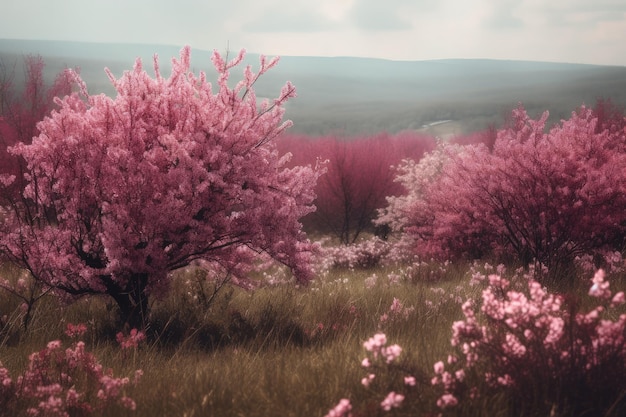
(541, 349)
(63, 383)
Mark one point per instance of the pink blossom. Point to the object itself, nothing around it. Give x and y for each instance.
(342, 409)
(446, 401)
(392, 400)
(391, 353)
(367, 380)
(75, 330)
(409, 380)
(374, 344)
(132, 340)
(618, 299)
(438, 368)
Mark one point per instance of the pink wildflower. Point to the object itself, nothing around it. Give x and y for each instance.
(75, 330)
(367, 380)
(132, 341)
(342, 409)
(391, 353)
(438, 368)
(392, 400)
(447, 400)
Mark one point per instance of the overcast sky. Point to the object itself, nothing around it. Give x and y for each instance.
(577, 31)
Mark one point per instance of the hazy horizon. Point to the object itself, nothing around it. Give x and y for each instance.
(354, 96)
(569, 31)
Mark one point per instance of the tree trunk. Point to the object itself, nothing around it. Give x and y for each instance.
(132, 301)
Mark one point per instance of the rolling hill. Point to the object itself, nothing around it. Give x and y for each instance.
(364, 95)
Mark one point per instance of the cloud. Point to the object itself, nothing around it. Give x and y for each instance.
(504, 15)
(396, 15)
(290, 18)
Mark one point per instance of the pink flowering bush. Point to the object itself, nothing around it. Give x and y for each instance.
(540, 348)
(63, 383)
(537, 195)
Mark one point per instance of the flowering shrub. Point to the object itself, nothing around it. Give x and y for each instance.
(63, 383)
(536, 195)
(539, 347)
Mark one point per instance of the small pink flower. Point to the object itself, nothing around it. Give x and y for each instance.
(342, 409)
(409, 380)
(368, 380)
(53, 345)
(447, 400)
(392, 353)
(618, 299)
(75, 330)
(438, 368)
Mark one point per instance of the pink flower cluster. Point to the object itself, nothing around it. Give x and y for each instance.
(342, 409)
(380, 357)
(75, 330)
(66, 382)
(132, 340)
(397, 311)
(365, 254)
(376, 345)
(517, 337)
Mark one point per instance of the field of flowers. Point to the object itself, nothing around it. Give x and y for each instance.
(419, 339)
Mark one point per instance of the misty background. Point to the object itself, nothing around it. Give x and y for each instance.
(355, 96)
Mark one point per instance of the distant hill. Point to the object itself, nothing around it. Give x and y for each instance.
(361, 95)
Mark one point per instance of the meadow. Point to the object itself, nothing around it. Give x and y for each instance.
(155, 260)
(282, 350)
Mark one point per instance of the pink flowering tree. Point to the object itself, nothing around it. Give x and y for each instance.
(172, 171)
(535, 196)
(359, 176)
(23, 106)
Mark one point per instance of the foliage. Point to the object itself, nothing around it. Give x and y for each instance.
(536, 196)
(122, 190)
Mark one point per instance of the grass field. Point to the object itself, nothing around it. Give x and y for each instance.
(276, 351)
